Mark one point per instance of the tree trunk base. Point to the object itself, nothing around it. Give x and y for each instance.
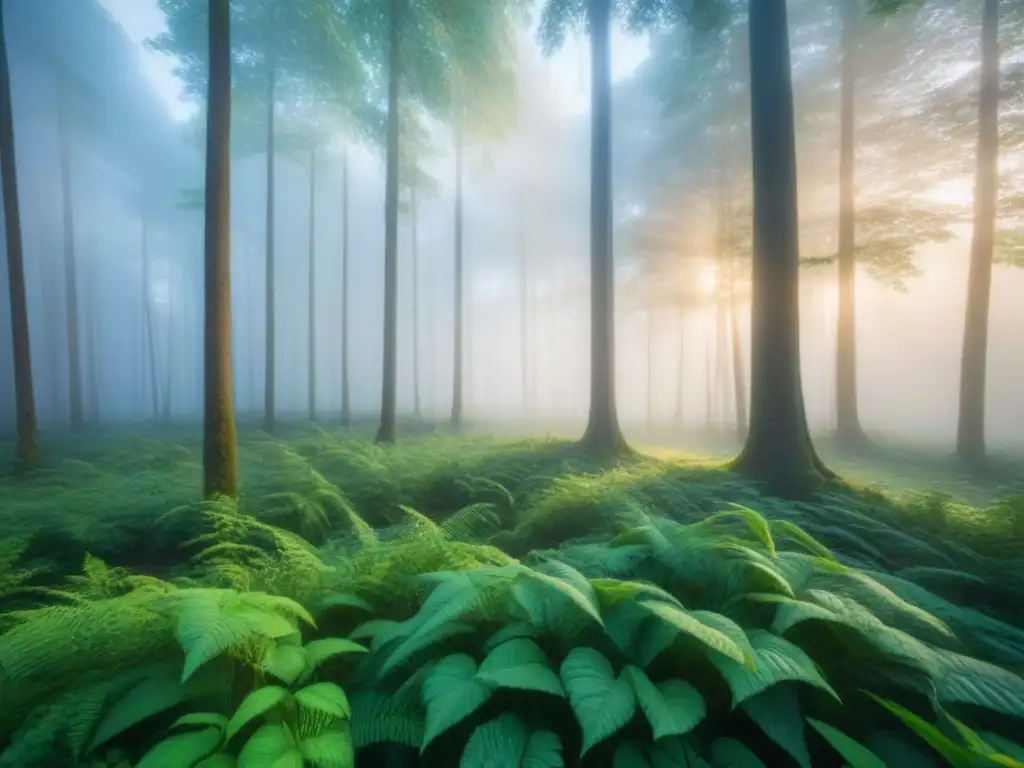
(797, 480)
(604, 442)
(385, 434)
(852, 438)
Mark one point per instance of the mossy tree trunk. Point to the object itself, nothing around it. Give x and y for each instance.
(25, 404)
(346, 406)
(77, 415)
(603, 435)
(269, 408)
(387, 431)
(220, 473)
(848, 428)
(312, 285)
(970, 436)
(778, 451)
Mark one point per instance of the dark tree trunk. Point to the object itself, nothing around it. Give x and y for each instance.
(778, 451)
(848, 428)
(312, 285)
(77, 416)
(387, 431)
(415, 304)
(269, 410)
(346, 408)
(970, 435)
(92, 373)
(220, 472)
(459, 298)
(147, 319)
(603, 435)
(25, 403)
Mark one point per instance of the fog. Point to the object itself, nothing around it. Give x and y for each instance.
(133, 157)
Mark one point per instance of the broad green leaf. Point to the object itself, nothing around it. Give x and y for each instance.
(777, 712)
(778, 661)
(957, 755)
(798, 534)
(272, 746)
(285, 662)
(214, 719)
(255, 704)
(970, 681)
(1003, 745)
(520, 664)
(508, 632)
(339, 599)
(685, 622)
(182, 749)
(587, 602)
(672, 707)
(630, 754)
(325, 697)
(612, 592)
(318, 651)
(149, 697)
(603, 703)
(220, 760)
(856, 754)
(729, 753)
(379, 717)
(331, 749)
(674, 752)
(507, 742)
(451, 693)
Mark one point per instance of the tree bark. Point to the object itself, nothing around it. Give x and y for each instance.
(220, 472)
(970, 436)
(603, 435)
(778, 451)
(269, 410)
(147, 319)
(386, 432)
(25, 404)
(77, 416)
(415, 303)
(346, 407)
(312, 285)
(459, 298)
(848, 428)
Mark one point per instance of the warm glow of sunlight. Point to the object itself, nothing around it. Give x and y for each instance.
(709, 281)
(956, 192)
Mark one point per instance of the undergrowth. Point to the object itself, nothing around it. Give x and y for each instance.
(486, 603)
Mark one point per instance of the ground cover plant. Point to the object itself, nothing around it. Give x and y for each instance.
(483, 602)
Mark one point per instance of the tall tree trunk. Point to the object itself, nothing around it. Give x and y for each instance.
(70, 277)
(92, 374)
(147, 319)
(848, 428)
(524, 303)
(970, 435)
(171, 346)
(220, 472)
(269, 410)
(603, 435)
(312, 285)
(459, 298)
(778, 450)
(25, 403)
(415, 304)
(386, 432)
(346, 406)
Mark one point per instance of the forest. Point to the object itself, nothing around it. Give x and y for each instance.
(511, 384)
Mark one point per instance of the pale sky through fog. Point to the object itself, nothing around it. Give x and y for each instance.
(142, 19)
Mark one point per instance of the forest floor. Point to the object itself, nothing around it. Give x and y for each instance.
(909, 519)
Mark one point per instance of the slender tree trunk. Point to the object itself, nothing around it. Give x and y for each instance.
(269, 409)
(147, 319)
(25, 403)
(524, 303)
(459, 298)
(92, 374)
(70, 277)
(603, 435)
(312, 285)
(171, 321)
(346, 409)
(220, 474)
(778, 451)
(386, 432)
(970, 436)
(848, 428)
(415, 304)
